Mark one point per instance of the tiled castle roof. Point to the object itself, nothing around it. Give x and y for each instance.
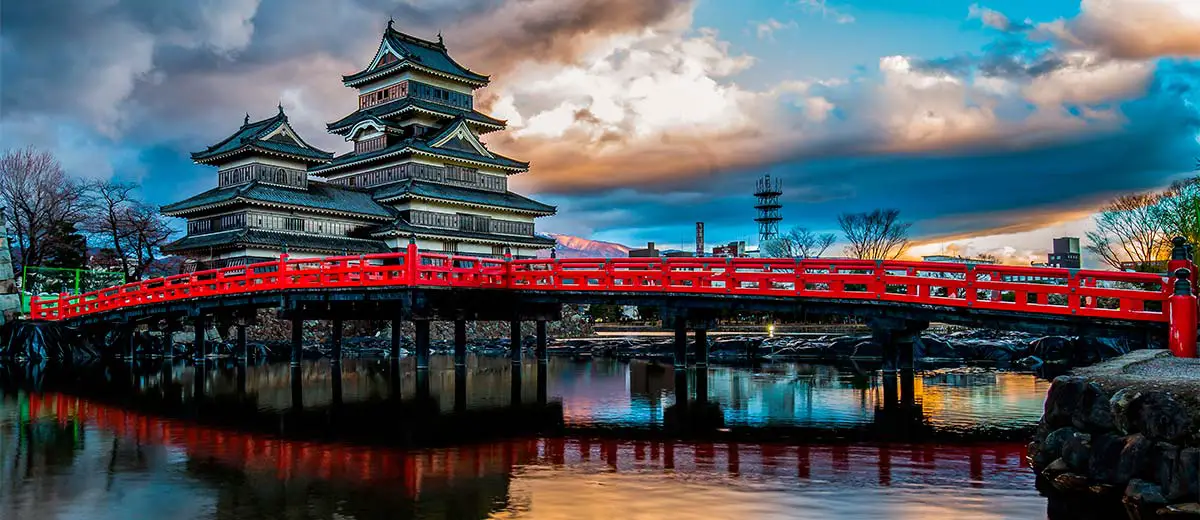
(251, 136)
(416, 52)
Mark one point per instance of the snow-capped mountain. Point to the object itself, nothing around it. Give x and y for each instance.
(577, 247)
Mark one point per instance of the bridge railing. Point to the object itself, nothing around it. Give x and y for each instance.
(1132, 296)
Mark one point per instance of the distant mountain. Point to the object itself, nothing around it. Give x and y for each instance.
(577, 247)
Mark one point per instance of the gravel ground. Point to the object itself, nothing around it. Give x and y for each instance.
(1148, 370)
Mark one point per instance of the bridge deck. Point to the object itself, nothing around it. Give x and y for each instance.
(997, 290)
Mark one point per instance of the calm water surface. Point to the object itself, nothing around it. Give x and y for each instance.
(798, 441)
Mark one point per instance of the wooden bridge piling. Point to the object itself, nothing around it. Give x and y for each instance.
(680, 342)
(335, 340)
(701, 355)
(297, 341)
(540, 348)
(460, 343)
(421, 343)
(200, 343)
(514, 343)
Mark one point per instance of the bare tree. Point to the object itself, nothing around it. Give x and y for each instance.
(799, 242)
(1130, 228)
(877, 235)
(133, 230)
(40, 199)
(1181, 210)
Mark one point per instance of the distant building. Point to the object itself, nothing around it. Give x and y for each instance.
(678, 253)
(649, 252)
(957, 259)
(1065, 253)
(732, 249)
(418, 172)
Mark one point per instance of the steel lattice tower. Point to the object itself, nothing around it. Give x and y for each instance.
(767, 191)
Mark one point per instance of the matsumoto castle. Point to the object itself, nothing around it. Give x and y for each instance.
(418, 171)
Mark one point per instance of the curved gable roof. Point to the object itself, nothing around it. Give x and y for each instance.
(255, 136)
(418, 53)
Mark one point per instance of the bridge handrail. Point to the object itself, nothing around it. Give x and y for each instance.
(1125, 295)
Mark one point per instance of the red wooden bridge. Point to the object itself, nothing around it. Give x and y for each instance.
(1145, 301)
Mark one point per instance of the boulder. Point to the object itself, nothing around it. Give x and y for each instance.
(1052, 446)
(1064, 395)
(1092, 413)
(931, 346)
(1105, 457)
(1077, 451)
(1119, 405)
(1070, 482)
(1055, 468)
(1156, 414)
(1177, 472)
(1185, 510)
(1142, 493)
(1052, 349)
(1135, 459)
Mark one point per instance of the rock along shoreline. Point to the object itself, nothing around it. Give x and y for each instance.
(1127, 429)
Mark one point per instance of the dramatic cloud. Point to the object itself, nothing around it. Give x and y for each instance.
(85, 57)
(634, 117)
(1132, 29)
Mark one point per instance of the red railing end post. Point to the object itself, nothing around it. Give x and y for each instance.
(1183, 316)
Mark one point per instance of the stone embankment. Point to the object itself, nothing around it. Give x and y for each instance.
(977, 345)
(1126, 429)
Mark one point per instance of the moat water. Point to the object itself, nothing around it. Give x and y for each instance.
(599, 438)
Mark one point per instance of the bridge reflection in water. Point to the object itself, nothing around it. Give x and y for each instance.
(65, 440)
(781, 400)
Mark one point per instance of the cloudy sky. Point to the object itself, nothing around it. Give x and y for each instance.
(990, 125)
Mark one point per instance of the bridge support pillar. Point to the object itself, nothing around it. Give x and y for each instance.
(168, 342)
(460, 343)
(421, 343)
(514, 342)
(897, 338)
(540, 351)
(242, 349)
(701, 348)
(297, 341)
(199, 343)
(394, 353)
(680, 342)
(335, 342)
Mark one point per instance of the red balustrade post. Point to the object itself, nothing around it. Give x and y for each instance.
(1183, 313)
(280, 276)
(411, 260)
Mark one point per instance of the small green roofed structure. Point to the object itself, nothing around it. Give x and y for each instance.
(417, 171)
